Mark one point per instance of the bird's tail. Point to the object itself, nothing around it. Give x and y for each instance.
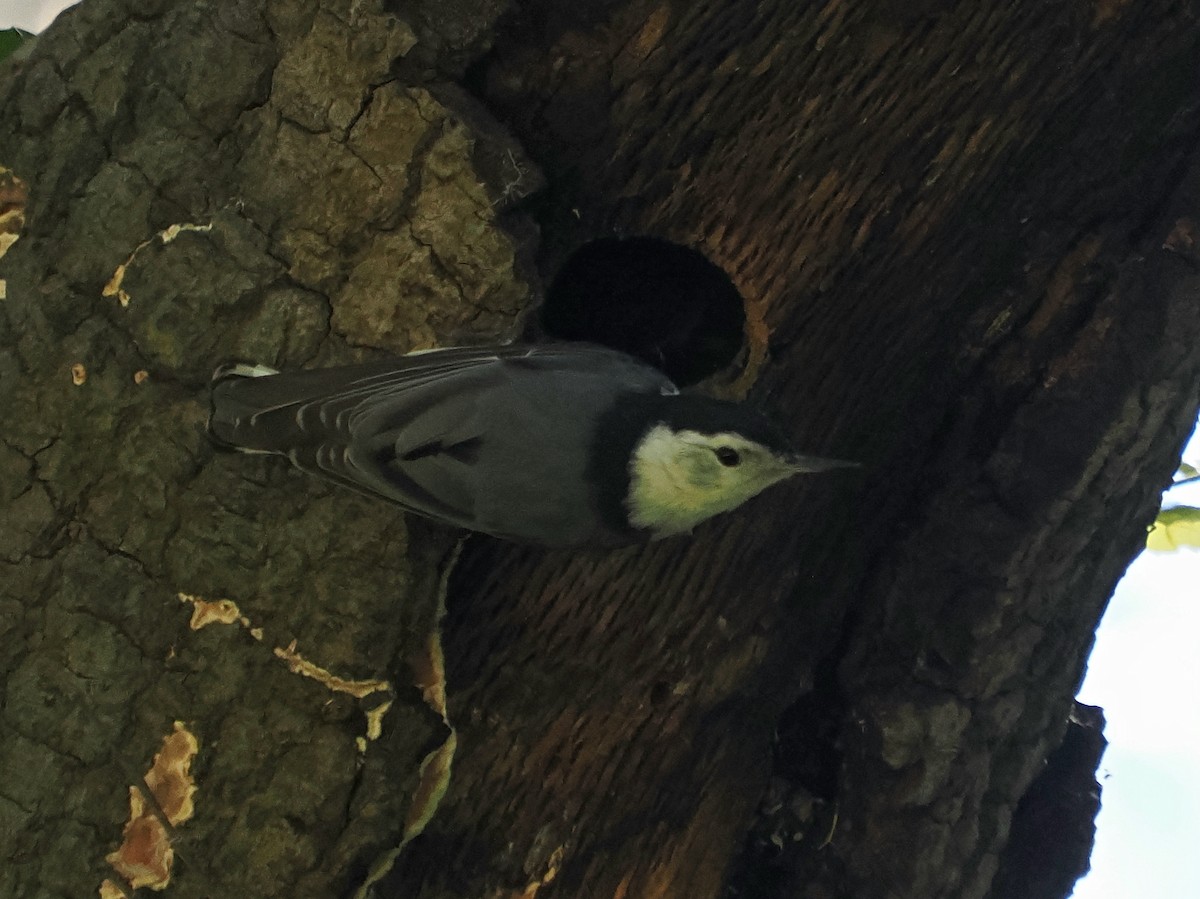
(237, 404)
(258, 410)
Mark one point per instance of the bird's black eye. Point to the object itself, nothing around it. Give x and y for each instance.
(728, 456)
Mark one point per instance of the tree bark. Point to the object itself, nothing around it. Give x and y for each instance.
(965, 237)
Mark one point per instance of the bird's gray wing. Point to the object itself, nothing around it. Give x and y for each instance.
(408, 430)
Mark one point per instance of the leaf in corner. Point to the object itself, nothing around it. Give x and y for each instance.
(1175, 527)
(11, 39)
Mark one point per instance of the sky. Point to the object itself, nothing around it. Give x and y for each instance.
(1144, 672)
(32, 15)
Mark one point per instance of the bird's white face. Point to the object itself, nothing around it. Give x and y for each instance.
(680, 478)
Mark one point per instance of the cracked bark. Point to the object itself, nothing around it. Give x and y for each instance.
(951, 218)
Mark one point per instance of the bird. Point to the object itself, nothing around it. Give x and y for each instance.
(556, 444)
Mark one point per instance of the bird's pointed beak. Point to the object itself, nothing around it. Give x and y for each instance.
(801, 464)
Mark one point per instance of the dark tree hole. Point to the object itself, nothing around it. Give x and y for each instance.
(656, 300)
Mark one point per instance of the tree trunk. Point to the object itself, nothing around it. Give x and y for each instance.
(965, 235)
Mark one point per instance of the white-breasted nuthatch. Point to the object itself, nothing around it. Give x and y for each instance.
(557, 444)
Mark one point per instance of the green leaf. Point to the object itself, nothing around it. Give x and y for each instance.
(1186, 471)
(1175, 527)
(11, 39)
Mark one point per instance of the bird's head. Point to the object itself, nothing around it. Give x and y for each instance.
(706, 458)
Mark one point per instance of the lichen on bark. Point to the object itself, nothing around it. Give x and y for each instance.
(207, 183)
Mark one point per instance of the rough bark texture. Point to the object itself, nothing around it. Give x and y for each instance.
(1053, 828)
(965, 235)
(325, 209)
